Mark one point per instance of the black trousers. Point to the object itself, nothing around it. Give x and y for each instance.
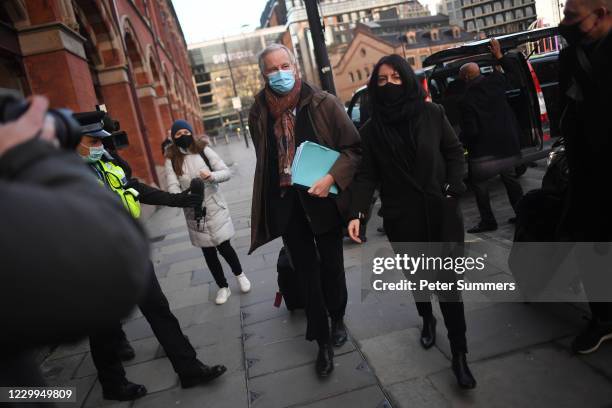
(319, 262)
(402, 233)
(212, 260)
(155, 308)
(483, 201)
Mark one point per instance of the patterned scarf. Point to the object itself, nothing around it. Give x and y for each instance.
(281, 108)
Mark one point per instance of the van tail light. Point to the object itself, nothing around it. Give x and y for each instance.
(543, 112)
(426, 89)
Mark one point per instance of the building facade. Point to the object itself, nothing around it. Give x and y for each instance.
(340, 18)
(354, 68)
(495, 17)
(129, 55)
(223, 64)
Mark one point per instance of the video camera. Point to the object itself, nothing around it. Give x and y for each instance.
(67, 129)
(118, 138)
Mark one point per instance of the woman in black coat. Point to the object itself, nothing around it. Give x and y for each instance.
(411, 150)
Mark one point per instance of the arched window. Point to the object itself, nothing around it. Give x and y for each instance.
(352, 77)
(359, 75)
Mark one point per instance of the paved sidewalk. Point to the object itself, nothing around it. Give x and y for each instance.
(519, 352)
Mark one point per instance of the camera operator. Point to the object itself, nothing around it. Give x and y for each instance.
(154, 305)
(56, 283)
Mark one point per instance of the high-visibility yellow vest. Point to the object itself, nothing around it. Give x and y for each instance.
(114, 178)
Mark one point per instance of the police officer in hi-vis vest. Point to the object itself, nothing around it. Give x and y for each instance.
(154, 305)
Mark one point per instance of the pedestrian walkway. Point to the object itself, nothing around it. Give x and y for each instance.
(519, 352)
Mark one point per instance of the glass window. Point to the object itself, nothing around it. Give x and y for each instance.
(352, 77)
(359, 78)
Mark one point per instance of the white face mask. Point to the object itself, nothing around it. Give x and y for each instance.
(95, 153)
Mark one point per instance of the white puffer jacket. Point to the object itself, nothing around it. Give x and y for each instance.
(217, 226)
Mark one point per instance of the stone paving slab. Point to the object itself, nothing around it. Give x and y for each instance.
(274, 330)
(227, 391)
(188, 297)
(262, 311)
(282, 355)
(214, 331)
(366, 321)
(542, 377)
(398, 356)
(369, 397)
(417, 392)
(301, 385)
(506, 327)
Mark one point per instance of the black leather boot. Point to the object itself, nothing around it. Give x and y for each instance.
(338, 332)
(126, 391)
(325, 360)
(428, 334)
(465, 379)
(201, 375)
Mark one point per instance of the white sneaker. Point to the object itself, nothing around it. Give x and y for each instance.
(222, 295)
(244, 283)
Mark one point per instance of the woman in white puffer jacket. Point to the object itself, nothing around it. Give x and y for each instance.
(184, 162)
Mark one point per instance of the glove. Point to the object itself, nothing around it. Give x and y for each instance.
(187, 199)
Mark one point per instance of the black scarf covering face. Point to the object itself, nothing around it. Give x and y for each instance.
(395, 109)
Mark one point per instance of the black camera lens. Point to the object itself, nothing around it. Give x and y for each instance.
(67, 129)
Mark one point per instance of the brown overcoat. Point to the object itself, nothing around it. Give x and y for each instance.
(333, 128)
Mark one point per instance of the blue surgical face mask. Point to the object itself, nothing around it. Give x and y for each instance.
(95, 154)
(282, 81)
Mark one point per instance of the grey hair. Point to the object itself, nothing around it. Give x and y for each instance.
(271, 48)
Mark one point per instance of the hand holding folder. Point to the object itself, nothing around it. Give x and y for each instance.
(312, 162)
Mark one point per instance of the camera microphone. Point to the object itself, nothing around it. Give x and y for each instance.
(197, 188)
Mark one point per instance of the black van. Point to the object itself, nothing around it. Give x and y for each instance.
(525, 95)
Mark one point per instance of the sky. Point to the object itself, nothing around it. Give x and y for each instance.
(207, 19)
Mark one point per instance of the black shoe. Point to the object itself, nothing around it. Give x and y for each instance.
(338, 332)
(428, 334)
(512, 220)
(124, 392)
(202, 375)
(381, 230)
(465, 379)
(325, 360)
(482, 227)
(125, 350)
(591, 338)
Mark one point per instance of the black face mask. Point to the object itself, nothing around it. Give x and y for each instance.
(572, 33)
(184, 141)
(391, 94)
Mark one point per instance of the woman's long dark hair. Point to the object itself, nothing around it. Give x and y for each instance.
(393, 122)
(177, 158)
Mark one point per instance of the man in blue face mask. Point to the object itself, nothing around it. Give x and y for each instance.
(287, 112)
(585, 82)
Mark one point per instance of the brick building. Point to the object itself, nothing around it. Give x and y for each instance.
(129, 55)
(421, 40)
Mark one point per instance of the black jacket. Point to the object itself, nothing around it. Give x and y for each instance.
(488, 123)
(587, 129)
(420, 195)
(72, 257)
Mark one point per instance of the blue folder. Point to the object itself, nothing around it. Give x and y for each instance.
(311, 162)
